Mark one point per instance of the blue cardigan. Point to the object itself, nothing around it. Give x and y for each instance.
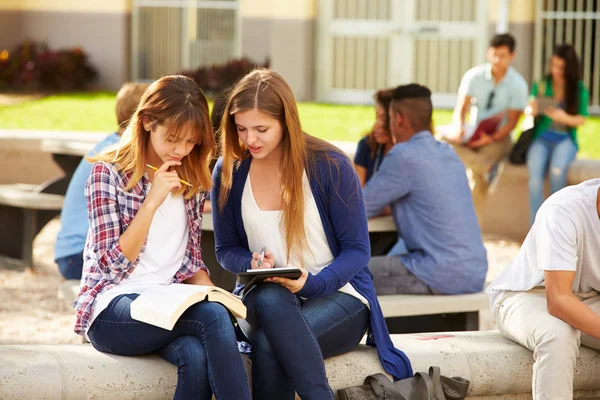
(343, 216)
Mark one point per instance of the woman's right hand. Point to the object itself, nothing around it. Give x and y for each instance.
(163, 183)
(268, 261)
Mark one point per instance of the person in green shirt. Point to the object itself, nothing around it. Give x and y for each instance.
(555, 136)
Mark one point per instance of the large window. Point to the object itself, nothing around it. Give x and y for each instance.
(173, 35)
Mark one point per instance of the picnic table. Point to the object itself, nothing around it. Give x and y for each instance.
(26, 209)
(27, 220)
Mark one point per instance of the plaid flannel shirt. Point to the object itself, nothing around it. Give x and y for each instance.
(110, 211)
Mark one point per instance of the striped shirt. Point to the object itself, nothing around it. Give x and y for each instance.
(110, 211)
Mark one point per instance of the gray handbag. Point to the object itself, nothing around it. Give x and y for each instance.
(422, 386)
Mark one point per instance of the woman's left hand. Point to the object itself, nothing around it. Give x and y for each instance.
(293, 285)
(555, 113)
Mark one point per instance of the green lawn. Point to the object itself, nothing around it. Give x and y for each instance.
(95, 112)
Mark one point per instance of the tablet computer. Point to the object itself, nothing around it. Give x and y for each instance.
(255, 276)
(545, 102)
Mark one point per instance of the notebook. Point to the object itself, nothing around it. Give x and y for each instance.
(163, 305)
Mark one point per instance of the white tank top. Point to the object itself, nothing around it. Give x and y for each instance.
(168, 237)
(260, 229)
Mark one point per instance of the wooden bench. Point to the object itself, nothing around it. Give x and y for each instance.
(496, 367)
(24, 211)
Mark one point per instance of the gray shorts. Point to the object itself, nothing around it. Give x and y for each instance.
(390, 276)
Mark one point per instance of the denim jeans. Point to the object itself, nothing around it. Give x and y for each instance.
(70, 267)
(544, 156)
(292, 337)
(202, 345)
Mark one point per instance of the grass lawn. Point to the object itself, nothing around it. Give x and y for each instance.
(95, 112)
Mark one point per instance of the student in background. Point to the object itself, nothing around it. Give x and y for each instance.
(68, 249)
(145, 229)
(425, 184)
(298, 196)
(374, 146)
(555, 138)
(485, 91)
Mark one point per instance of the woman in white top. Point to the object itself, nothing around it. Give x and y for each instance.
(299, 197)
(145, 228)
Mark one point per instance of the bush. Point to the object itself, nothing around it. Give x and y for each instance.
(33, 66)
(216, 78)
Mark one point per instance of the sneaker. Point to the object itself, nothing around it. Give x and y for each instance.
(494, 176)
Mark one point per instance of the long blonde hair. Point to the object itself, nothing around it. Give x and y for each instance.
(266, 91)
(177, 103)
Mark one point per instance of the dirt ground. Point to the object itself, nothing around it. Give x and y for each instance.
(31, 313)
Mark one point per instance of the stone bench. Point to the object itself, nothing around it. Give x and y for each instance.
(404, 313)
(416, 313)
(506, 212)
(24, 210)
(496, 367)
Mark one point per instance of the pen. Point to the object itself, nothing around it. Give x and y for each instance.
(181, 180)
(262, 255)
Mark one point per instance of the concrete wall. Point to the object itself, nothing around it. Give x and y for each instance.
(101, 28)
(284, 32)
(521, 24)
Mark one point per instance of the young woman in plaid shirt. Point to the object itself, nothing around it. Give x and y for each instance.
(145, 228)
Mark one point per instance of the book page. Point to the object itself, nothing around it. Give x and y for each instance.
(159, 304)
(163, 305)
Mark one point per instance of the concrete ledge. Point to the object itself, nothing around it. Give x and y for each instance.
(494, 365)
(26, 196)
(377, 224)
(404, 305)
(506, 211)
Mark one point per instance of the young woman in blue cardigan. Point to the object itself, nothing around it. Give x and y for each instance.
(278, 187)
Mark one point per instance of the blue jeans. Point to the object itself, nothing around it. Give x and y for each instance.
(70, 267)
(292, 337)
(202, 345)
(543, 156)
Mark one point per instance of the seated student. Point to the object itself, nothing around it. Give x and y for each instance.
(555, 143)
(68, 249)
(372, 148)
(486, 91)
(278, 187)
(425, 184)
(145, 228)
(547, 300)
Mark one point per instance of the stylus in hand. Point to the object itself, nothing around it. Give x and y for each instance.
(262, 255)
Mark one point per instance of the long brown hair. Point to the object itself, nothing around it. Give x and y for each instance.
(383, 98)
(266, 91)
(572, 76)
(177, 103)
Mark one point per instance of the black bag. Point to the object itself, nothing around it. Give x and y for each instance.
(518, 154)
(422, 386)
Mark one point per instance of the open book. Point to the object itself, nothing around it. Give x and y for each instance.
(163, 305)
(487, 126)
